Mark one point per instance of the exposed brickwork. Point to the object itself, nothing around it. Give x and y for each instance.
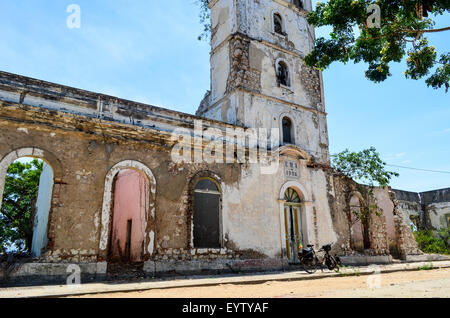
(406, 243)
(241, 75)
(311, 82)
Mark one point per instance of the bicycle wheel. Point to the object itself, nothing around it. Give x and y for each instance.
(310, 265)
(332, 264)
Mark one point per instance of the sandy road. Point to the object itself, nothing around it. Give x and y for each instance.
(417, 284)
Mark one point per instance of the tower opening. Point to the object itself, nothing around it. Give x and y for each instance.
(283, 74)
(278, 24)
(287, 130)
(298, 4)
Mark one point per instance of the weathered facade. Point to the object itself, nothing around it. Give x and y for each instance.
(194, 215)
(430, 210)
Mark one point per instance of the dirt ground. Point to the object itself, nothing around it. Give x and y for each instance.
(416, 284)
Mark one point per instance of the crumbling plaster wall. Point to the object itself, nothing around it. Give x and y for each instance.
(389, 232)
(378, 227)
(249, 110)
(244, 57)
(437, 207)
(255, 20)
(76, 222)
(409, 205)
(431, 207)
(88, 134)
(386, 207)
(253, 209)
(311, 131)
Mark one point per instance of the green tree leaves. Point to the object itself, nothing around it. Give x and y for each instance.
(18, 208)
(204, 19)
(365, 165)
(404, 25)
(433, 242)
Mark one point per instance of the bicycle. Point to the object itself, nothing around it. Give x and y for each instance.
(310, 261)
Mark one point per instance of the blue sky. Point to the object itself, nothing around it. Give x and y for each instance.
(148, 51)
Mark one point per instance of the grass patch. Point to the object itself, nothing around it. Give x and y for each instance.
(349, 272)
(433, 242)
(426, 267)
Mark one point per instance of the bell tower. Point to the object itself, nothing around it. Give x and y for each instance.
(258, 78)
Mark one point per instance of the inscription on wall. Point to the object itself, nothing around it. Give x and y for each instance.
(291, 169)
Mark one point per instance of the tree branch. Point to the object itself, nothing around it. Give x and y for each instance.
(426, 31)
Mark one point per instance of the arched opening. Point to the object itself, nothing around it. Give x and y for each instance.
(278, 24)
(206, 219)
(298, 4)
(283, 74)
(359, 237)
(27, 187)
(117, 186)
(293, 224)
(287, 130)
(129, 216)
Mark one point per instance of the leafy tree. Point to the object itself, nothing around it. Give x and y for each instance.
(18, 208)
(365, 166)
(400, 35)
(204, 19)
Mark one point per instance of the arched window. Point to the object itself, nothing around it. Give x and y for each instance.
(291, 196)
(283, 74)
(298, 4)
(207, 198)
(287, 130)
(278, 24)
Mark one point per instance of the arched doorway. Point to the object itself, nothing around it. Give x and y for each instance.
(293, 224)
(206, 220)
(359, 235)
(131, 199)
(27, 179)
(128, 213)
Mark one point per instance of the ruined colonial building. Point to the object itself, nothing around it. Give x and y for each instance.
(126, 182)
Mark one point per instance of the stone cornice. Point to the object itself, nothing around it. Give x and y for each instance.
(275, 99)
(33, 92)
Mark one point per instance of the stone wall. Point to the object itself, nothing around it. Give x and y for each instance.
(389, 232)
(431, 208)
(87, 138)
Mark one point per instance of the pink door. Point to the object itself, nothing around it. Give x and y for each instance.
(129, 217)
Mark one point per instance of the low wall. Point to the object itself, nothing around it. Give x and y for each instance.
(32, 274)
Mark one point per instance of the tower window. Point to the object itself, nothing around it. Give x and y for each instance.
(298, 4)
(283, 74)
(278, 24)
(287, 130)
